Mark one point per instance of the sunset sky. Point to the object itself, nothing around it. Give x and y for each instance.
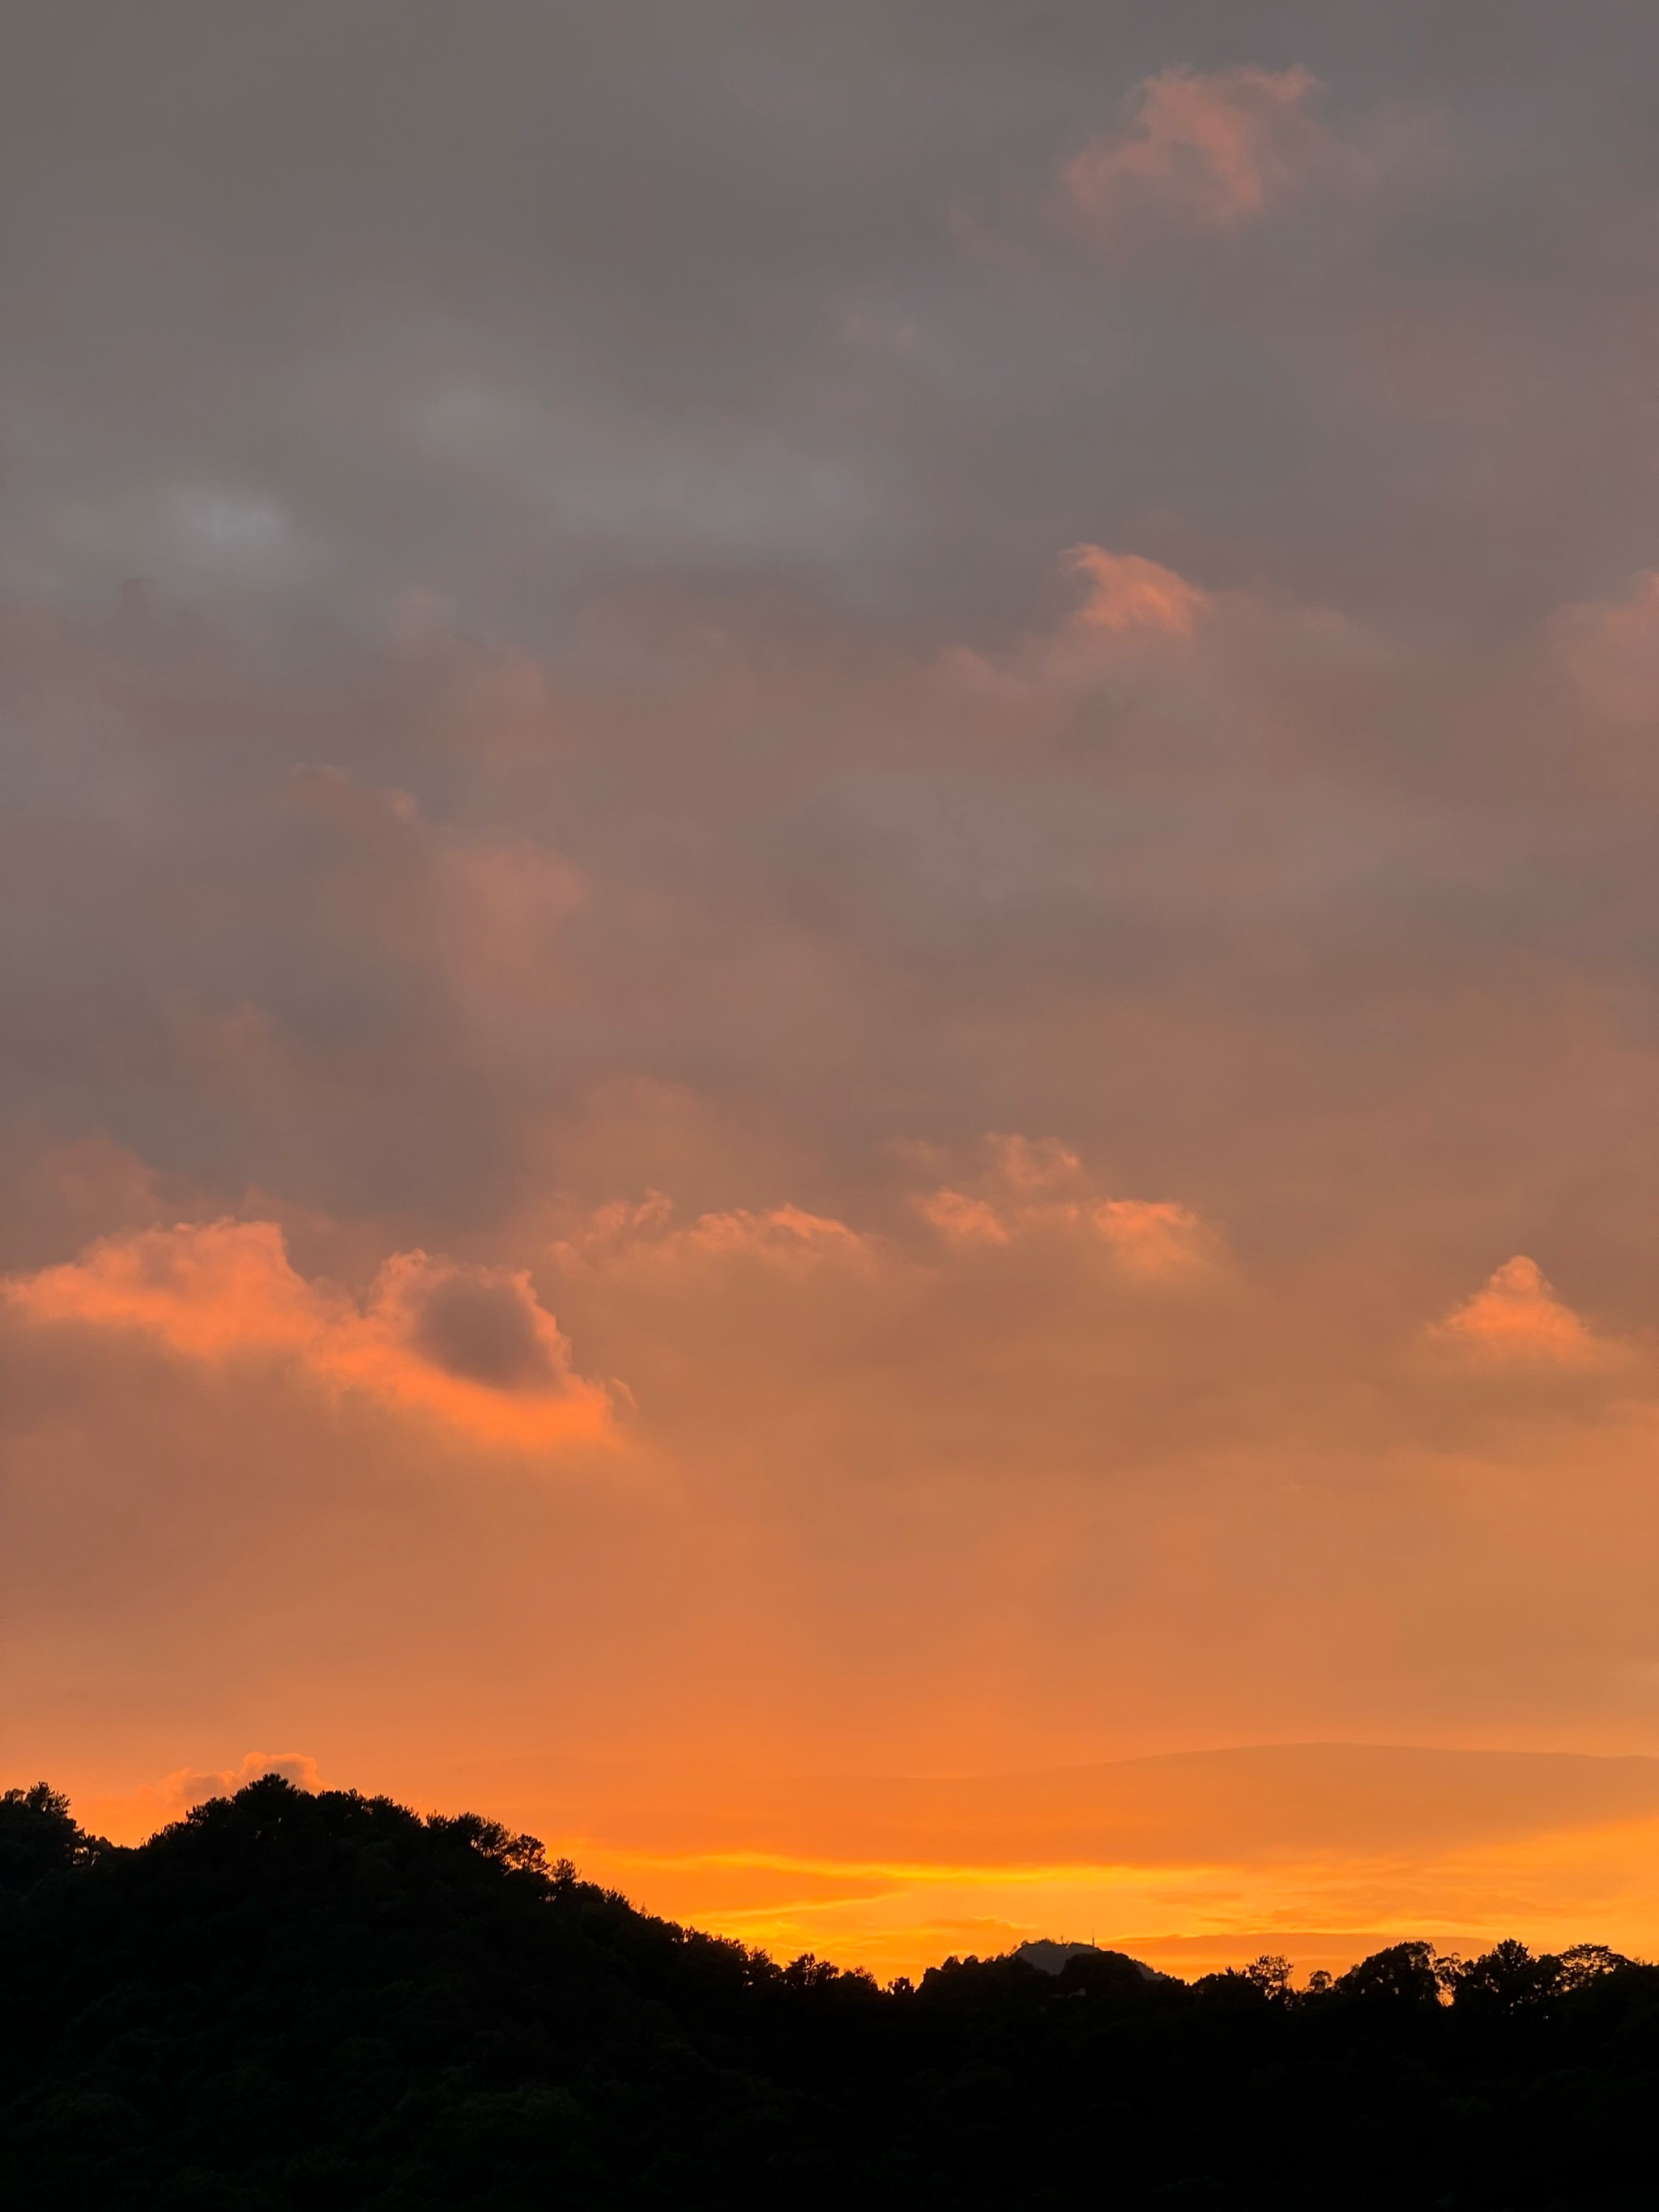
(830, 959)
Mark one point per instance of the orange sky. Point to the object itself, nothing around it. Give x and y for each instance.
(830, 969)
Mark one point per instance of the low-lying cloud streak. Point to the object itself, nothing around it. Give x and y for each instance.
(829, 940)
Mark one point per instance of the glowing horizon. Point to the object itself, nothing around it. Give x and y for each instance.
(1331, 1850)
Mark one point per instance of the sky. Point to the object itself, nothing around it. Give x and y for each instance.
(828, 949)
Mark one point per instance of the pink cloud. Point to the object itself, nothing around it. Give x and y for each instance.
(1129, 595)
(471, 1346)
(1134, 616)
(1153, 640)
(1208, 150)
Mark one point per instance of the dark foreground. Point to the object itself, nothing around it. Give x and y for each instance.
(290, 2001)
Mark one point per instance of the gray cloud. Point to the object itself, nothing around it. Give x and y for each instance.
(323, 306)
(484, 1331)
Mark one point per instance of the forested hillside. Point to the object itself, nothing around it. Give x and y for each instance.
(326, 2001)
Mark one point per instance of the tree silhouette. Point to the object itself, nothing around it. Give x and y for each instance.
(1402, 1977)
(328, 2001)
(1508, 1979)
(38, 1835)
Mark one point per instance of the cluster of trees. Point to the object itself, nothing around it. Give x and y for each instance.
(327, 2000)
(1507, 1979)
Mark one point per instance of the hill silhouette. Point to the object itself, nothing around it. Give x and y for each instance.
(327, 2000)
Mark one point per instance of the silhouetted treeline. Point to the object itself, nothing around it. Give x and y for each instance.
(325, 2002)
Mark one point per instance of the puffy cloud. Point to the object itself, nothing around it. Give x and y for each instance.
(782, 1239)
(1027, 1163)
(963, 1220)
(1145, 647)
(1515, 1318)
(785, 1237)
(470, 1344)
(1154, 1238)
(131, 1817)
(295, 1766)
(1038, 1188)
(1211, 149)
(1013, 1318)
(1028, 1187)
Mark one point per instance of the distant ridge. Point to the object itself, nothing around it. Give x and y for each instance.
(1051, 1958)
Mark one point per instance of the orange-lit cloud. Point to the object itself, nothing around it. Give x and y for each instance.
(1516, 1317)
(1027, 1163)
(470, 1344)
(1152, 1237)
(1149, 1238)
(1039, 1187)
(962, 1219)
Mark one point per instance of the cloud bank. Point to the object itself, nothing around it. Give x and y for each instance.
(840, 959)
